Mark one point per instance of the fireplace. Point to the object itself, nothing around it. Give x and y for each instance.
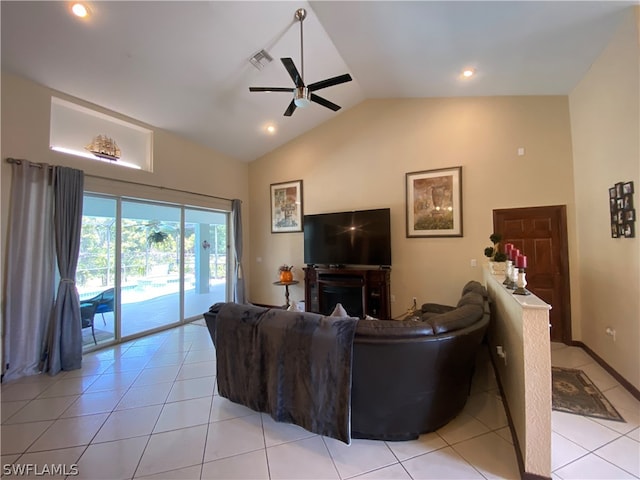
(351, 298)
(361, 291)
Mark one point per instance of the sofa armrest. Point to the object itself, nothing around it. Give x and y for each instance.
(457, 319)
(436, 308)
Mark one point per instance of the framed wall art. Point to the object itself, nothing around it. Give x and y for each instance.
(434, 203)
(286, 207)
(623, 214)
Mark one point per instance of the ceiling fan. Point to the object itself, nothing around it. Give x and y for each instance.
(303, 94)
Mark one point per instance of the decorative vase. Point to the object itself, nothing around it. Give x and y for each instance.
(498, 268)
(286, 276)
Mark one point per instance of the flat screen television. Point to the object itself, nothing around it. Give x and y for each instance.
(360, 237)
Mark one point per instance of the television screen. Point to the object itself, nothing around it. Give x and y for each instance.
(348, 238)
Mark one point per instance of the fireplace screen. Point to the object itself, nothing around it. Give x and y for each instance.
(351, 298)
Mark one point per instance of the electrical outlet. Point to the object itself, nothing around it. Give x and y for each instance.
(474, 262)
(611, 332)
(502, 353)
(393, 298)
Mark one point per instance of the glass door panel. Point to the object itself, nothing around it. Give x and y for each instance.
(205, 260)
(150, 266)
(95, 274)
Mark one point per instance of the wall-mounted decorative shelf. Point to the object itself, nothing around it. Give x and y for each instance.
(81, 131)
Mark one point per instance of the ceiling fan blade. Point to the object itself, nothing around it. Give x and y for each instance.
(271, 89)
(290, 109)
(324, 102)
(293, 71)
(330, 82)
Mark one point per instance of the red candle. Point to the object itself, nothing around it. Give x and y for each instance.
(521, 261)
(514, 254)
(507, 248)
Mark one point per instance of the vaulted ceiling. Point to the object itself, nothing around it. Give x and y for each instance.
(184, 66)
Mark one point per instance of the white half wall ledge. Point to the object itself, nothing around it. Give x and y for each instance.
(520, 325)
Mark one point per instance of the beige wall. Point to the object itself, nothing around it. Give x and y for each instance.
(605, 124)
(521, 328)
(359, 159)
(178, 163)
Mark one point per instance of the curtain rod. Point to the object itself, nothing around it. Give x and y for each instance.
(19, 161)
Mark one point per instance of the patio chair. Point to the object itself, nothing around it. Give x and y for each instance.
(87, 313)
(104, 302)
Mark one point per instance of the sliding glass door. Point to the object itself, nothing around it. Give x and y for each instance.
(96, 271)
(205, 272)
(150, 246)
(160, 263)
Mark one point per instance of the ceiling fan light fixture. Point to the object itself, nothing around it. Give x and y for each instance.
(302, 97)
(302, 102)
(303, 94)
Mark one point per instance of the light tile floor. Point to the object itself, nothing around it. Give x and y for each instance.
(149, 408)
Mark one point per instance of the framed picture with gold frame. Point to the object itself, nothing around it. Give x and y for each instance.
(286, 207)
(434, 203)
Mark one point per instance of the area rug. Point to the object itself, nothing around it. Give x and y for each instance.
(574, 392)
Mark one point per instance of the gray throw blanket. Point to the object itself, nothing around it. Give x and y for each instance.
(294, 366)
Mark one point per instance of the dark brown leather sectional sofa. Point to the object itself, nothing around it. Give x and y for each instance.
(413, 376)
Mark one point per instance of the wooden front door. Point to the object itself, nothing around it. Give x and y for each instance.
(541, 234)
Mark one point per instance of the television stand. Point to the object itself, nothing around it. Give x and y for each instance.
(361, 291)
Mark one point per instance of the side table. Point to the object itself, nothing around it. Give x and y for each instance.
(286, 289)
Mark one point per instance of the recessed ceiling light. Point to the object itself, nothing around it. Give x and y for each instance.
(271, 129)
(468, 72)
(80, 10)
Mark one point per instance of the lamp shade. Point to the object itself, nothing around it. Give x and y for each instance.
(302, 97)
(301, 102)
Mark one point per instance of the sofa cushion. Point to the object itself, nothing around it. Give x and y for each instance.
(474, 286)
(391, 330)
(470, 298)
(478, 288)
(457, 319)
(436, 308)
(426, 316)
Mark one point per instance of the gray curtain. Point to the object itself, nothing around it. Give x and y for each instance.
(30, 280)
(238, 277)
(64, 346)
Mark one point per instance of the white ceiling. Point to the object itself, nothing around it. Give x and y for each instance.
(183, 66)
